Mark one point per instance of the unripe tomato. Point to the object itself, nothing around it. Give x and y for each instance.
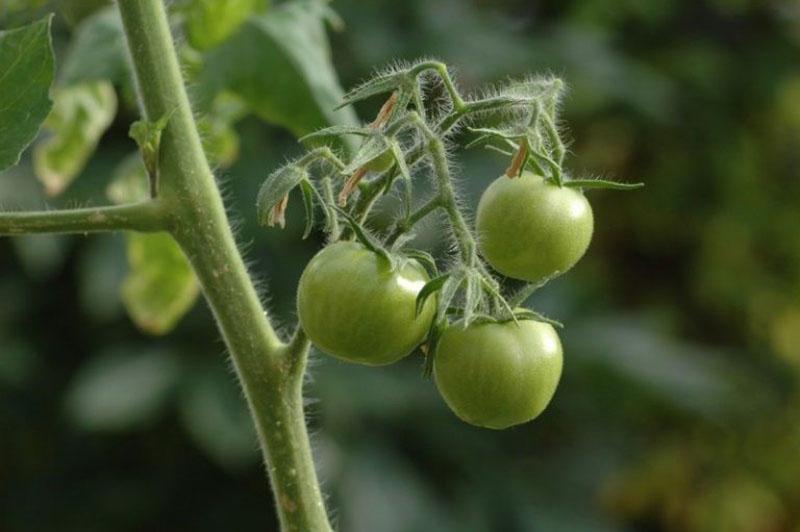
(355, 307)
(529, 229)
(496, 375)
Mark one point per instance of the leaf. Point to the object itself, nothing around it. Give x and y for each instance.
(160, 286)
(430, 288)
(121, 390)
(80, 116)
(26, 73)
(210, 22)
(308, 202)
(448, 293)
(276, 187)
(214, 413)
(217, 132)
(280, 64)
(129, 183)
(147, 134)
(97, 51)
(601, 183)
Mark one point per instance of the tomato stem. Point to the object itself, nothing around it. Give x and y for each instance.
(269, 371)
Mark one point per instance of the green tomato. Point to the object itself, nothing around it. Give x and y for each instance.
(354, 306)
(530, 229)
(497, 375)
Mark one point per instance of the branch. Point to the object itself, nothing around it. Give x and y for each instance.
(148, 216)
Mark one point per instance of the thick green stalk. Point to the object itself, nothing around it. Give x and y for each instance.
(269, 371)
(146, 217)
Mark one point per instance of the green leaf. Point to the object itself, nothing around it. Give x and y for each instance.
(308, 202)
(26, 73)
(147, 134)
(97, 51)
(80, 116)
(129, 182)
(160, 286)
(276, 187)
(210, 22)
(280, 64)
(121, 390)
(601, 183)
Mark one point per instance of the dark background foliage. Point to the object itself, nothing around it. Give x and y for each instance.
(678, 409)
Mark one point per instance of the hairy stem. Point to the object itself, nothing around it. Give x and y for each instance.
(269, 371)
(464, 238)
(404, 225)
(148, 216)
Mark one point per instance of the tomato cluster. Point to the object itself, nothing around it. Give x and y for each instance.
(359, 306)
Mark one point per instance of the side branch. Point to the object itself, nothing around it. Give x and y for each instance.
(147, 216)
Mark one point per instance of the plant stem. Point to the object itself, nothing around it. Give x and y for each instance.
(269, 371)
(464, 238)
(148, 216)
(405, 225)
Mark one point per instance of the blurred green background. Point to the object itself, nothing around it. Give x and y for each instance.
(679, 408)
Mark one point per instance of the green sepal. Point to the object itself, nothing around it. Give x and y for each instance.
(497, 298)
(336, 131)
(473, 295)
(372, 148)
(601, 183)
(378, 85)
(430, 288)
(424, 258)
(448, 292)
(528, 314)
(432, 340)
(365, 238)
(405, 173)
(275, 187)
(308, 202)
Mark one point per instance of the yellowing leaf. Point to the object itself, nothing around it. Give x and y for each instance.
(161, 286)
(209, 22)
(80, 116)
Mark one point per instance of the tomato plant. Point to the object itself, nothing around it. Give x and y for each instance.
(496, 375)
(370, 298)
(356, 305)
